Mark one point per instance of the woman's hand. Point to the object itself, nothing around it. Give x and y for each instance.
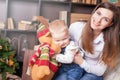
(78, 59)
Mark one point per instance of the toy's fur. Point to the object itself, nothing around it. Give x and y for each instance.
(42, 65)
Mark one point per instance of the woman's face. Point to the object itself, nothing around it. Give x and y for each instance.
(101, 19)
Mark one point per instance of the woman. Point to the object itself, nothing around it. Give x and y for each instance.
(99, 39)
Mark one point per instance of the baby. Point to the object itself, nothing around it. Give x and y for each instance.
(60, 36)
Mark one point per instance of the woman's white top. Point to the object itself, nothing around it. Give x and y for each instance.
(92, 62)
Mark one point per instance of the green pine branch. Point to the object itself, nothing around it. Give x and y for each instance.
(8, 61)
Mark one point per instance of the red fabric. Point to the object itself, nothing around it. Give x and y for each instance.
(53, 67)
(31, 60)
(43, 32)
(52, 52)
(42, 62)
(38, 50)
(44, 44)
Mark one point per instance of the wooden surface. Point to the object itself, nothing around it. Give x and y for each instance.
(27, 56)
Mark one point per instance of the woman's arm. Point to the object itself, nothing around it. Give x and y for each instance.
(98, 69)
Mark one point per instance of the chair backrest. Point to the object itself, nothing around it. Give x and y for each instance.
(27, 56)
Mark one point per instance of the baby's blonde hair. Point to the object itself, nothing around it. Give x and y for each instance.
(58, 26)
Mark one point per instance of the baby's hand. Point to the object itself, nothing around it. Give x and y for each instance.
(74, 51)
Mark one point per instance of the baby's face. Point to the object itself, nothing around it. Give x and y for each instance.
(62, 39)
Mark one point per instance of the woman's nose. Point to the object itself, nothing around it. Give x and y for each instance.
(98, 20)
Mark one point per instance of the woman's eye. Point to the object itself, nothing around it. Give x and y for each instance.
(107, 20)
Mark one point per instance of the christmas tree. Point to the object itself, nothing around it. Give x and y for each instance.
(8, 62)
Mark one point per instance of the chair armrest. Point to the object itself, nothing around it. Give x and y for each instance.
(27, 55)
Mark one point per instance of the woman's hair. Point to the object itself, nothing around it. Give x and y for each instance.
(111, 36)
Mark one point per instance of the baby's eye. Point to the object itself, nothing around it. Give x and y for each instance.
(57, 40)
(64, 38)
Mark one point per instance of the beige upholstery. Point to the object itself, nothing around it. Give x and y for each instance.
(27, 56)
(113, 74)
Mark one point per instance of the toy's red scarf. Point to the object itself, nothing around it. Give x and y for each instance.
(35, 58)
(43, 32)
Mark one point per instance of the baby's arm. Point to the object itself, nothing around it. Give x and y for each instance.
(69, 53)
(65, 58)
